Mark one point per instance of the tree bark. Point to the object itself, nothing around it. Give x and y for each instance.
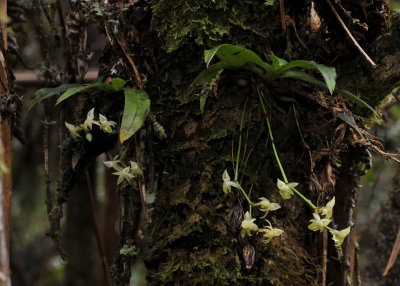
(5, 149)
(158, 45)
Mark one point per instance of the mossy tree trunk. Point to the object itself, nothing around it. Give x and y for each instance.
(191, 243)
(188, 241)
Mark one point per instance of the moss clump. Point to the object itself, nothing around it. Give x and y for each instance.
(185, 21)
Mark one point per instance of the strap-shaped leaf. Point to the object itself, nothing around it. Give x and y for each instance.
(82, 88)
(136, 109)
(304, 77)
(235, 57)
(209, 74)
(45, 93)
(356, 100)
(328, 73)
(297, 64)
(350, 96)
(203, 99)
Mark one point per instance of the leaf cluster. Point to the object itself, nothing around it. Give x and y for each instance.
(136, 107)
(232, 57)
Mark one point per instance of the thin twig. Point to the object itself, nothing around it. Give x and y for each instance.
(137, 74)
(302, 138)
(49, 204)
(324, 256)
(142, 187)
(96, 228)
(283, 16)
(350, 35)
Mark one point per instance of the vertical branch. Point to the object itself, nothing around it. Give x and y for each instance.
(5, 200)
(46, 124)
(324, 256)
(4, 259)
(110, 216)
(283, 15)
(106, 268)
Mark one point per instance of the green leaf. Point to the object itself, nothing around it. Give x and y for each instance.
(136, 109)
(357, 100)
(209, 74)
(304, 77)
(269, 2)
(203, 99)
(329, 75)
(118, 83)
(297, 64)
(235, 57)
(349, 119)
(277, 62)
(82, 88)
(45, 93)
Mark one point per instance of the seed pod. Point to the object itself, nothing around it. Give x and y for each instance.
(234, 218)
(249, 253)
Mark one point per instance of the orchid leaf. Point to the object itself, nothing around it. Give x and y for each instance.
(117, 83)
(74, 90)
(349, 119)
(356, 99)
(136, 109)
(235, 57)
(45, 93)
(209, 74)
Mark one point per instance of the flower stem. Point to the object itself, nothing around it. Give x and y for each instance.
(276, 152)
(305, 199)
(245, 195)
(279, 161)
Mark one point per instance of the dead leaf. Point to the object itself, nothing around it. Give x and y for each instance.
(75, 160)
(328, 181)
(315, 21)
(394, 254)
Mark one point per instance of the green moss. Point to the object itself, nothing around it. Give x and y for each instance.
(186, 21)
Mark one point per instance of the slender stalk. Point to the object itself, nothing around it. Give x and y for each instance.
(276, 152)
(279, 161)
(305, 199)
(245, 195)
(238, 160)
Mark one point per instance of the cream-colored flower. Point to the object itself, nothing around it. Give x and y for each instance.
(106, 125)
(317, 223)
(270, 233)
(73, 131)
(124, 174)
(113, 164)
(327, 210)
(248, 225)
(266, 206)
(135, 169)
(89, 121)
(227, 184)
(286, 189)
(338, 236)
